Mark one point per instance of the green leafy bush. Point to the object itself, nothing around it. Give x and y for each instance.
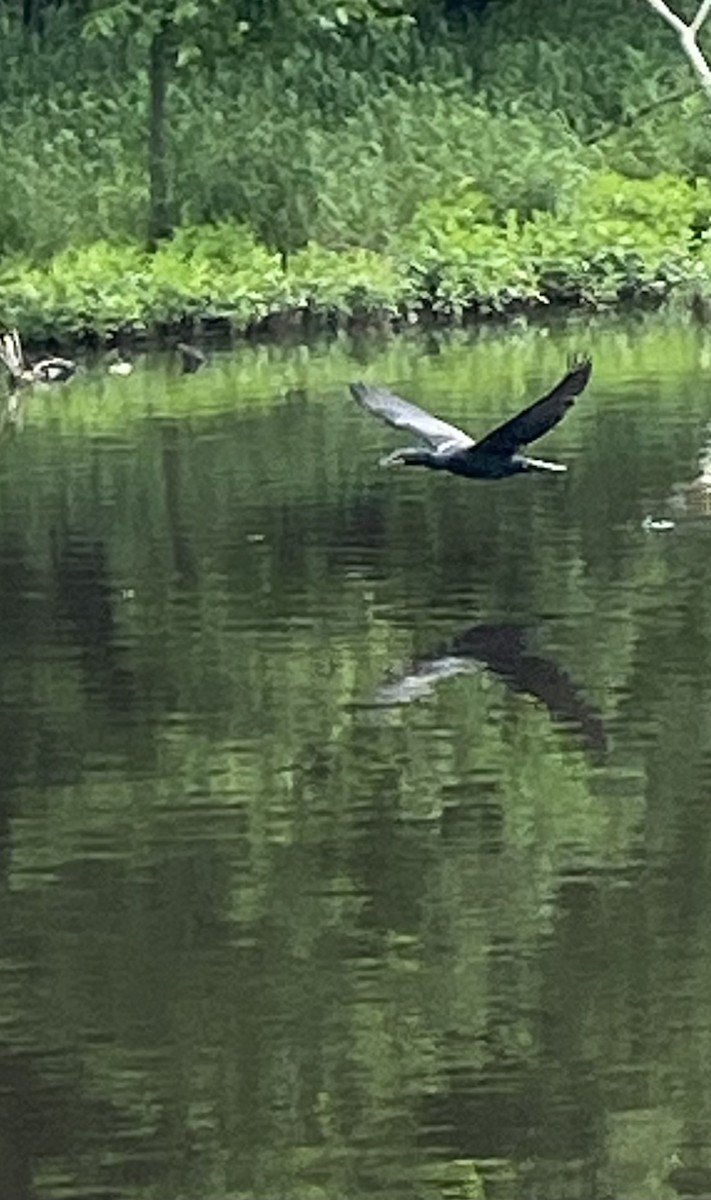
(350, 282)
(97, 287)
(618, 238)
(216, 271)
(338, 136)
(457, 256)
(666, 206)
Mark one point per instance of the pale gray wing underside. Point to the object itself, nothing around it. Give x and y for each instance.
(402, 415)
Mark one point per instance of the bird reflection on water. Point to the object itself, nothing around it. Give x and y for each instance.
(501, 649)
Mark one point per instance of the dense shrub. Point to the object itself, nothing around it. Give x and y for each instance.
(99, 286)
(216, 271)
(619, 238)
(350, 282)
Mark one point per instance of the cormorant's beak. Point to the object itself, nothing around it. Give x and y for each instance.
(393, 460)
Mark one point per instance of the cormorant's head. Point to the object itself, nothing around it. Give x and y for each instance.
(409, 457)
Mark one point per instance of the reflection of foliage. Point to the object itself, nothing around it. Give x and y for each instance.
(11, 413)
(292, 943)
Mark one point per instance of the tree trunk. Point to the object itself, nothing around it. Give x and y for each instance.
(32, 15)
(159, 225)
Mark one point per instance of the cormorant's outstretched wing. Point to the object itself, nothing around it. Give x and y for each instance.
(402, 415)
(539, 417)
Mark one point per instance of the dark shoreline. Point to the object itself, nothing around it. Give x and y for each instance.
(299, 326)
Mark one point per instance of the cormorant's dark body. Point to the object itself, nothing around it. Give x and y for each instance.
(497, 455)
(480, 466)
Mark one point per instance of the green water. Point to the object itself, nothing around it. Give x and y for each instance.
(355, 826)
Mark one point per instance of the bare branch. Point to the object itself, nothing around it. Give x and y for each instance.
(704, 10)
(687, 37)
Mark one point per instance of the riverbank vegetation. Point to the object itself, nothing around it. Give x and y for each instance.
(175, 163)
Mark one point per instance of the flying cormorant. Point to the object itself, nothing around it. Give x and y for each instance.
(450, 449)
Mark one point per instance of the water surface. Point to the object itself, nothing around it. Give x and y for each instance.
(355, 836)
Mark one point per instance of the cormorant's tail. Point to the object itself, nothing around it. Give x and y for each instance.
(540, 464)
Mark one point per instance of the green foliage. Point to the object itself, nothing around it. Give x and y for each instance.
(594, 63)
(617, 239)
(317, 128)
(666, 206)
(214, 271)
(349, 283)
(458, 257)
(390, 163)
(97, 287)
(72, 167)
(208, 272)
